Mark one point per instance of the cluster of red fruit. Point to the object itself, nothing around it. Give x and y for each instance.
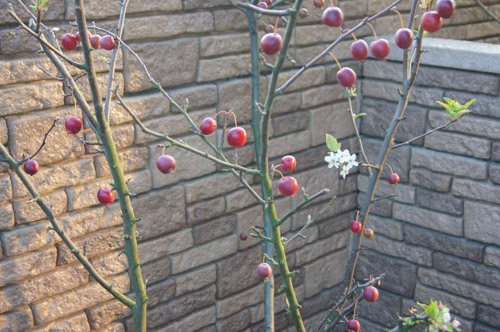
(70, 41)
(432, 20)
(370, 294)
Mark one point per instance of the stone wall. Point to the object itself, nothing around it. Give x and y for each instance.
(199, 275)
(439, 238)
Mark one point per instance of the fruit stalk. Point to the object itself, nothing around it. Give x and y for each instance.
(129, 219)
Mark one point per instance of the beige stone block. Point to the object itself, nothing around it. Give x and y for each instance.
(386, 227)
(102, 84)
(27, 266)
(123, 137)
(86, 195)
(64, 304)
(162, 211)
(27, 211)
(231, 19)
(325, 272)
(194, 322)
(325, 94)
(102, 10)
(169, 62)
(479, 217)
(32, 237)
(160, 292)
(235, 303)
(321, 247)
(54, 282)
(291, 143)
(204, 210)
(461, 287)
(18, 320)
(492, 256)
(414, 254)
(131, 159)
(28, 132)
(194, 280)
(79, 321)
(224, 67)
(3, 132)
(314, 34)
(111, 263)
(205, 253)
(6, 192)
(218, 183)
(104, 313)
(57, 176)
(449, 163)
(113, 327)
(240, 199)
(312, 77)
(168, 26)
(197, 97)
(224, 45)
(6, 216)
(30, 97)
(472, 125)
(246, 219)
(429, 219)
(91, 245)
(168, 244)
(333, 119)
(241, 106)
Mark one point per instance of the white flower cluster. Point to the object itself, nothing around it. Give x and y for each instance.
(341, 159)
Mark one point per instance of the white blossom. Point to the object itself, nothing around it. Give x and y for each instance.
(446, 317)
(351, 162)
(344, 171)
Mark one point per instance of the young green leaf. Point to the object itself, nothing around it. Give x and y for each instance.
(332, 143)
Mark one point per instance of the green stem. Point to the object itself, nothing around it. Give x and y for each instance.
(268, 230)
(129, 219)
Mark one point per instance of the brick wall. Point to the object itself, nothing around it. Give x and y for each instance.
(199, 276)
(439, 237)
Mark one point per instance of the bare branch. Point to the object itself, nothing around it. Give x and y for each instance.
(301, 205)
(426, 133)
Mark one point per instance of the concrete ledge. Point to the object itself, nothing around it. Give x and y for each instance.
(456, 54)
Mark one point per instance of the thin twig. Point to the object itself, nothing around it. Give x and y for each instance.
(301, 205)
(426, 133)
(311, 221)
(356, 130)
(45, 138)
(489, 12)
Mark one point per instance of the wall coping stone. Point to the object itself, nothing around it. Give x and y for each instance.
(455, 54)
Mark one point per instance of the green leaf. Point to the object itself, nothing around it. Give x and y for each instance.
(446, 106)
(332, 143)
(467, 104)
(359, 115)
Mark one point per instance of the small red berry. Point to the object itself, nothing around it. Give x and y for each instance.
(166, 164)
(288, 163)
(31, 167)
(268, 2)
(69, 42)
(288, 186)
(359, 50)
(243, 236)
(370, 294)
(333, 16)
(73, 125)
(95, 41)
(393, 178)
(404, 38)
(445, 8)
(346, 77)
(208, 126)
(356, 226)
(431, 21)
(369, 233)
(237, 137)
(353, 325)
(380, 48)
(271, 43)
(264, 270)
(269, 28)
(106, 196)
(319, 3)
(107, 42)
(77, 36)
(303, 12)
